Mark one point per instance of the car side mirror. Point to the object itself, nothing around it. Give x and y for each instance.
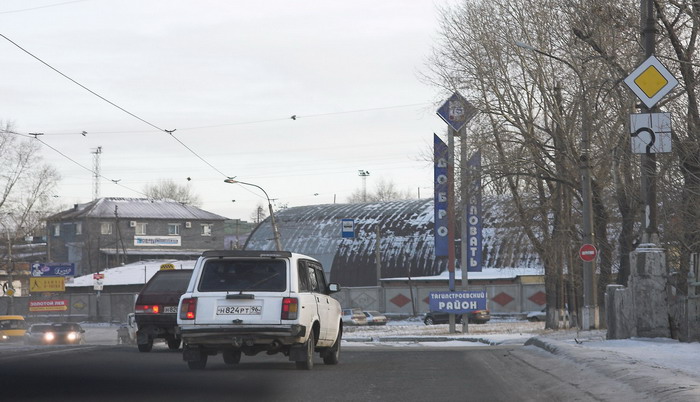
(333, 287)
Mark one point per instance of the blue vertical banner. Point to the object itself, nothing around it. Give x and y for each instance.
(474, 217)
(441, 217)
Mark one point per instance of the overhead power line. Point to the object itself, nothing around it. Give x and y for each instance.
(93, 172)
(170, 132)
(249, 122)
(40, 7)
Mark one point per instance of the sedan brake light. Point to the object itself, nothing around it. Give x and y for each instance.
(147, 309)
(188, 308)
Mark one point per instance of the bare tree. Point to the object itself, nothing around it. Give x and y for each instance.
(26, 186)
(168, 189)
(259, 214)
(534, 107)
(385, 190)
(535, 102)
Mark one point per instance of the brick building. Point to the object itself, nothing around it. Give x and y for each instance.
(108, 232)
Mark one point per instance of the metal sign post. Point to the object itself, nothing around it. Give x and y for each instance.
(456, 112)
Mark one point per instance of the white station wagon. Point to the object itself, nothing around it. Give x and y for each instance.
(247, 302)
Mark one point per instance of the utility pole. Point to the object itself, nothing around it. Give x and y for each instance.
(378, 255)
(96, 173)
(649, 159)
(451, 218)
(364, 174)
(10, 269)
(463, 227)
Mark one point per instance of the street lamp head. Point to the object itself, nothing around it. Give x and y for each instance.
(524, 45)
(230, 180)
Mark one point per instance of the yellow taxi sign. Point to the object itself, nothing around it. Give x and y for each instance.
(166, 267)
(47, 284)
(651, 81)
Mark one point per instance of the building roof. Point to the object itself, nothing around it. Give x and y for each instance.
(130, 274)
(407, 241)
(485, 274)
(135, 208)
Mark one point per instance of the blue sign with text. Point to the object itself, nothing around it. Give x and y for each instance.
(53, 269)
(347, 228)
(474, 218)
(458, 302)
(440, 183)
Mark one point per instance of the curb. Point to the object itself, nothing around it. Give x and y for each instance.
(537, 342)
(420, 339)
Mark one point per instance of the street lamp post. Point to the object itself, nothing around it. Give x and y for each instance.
(275, 231)
(589, 314)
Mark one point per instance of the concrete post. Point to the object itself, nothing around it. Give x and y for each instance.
(648, 281)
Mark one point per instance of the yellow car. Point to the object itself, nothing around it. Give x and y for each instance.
(12, 328)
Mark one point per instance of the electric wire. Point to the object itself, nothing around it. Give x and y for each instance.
(277, 119)
(170, 132)
(40, 7)
(36, 137)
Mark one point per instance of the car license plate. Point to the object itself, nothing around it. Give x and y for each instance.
(239, 310)
(170, 309)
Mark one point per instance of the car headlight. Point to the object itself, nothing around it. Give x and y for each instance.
(72, 336)
(49, 336)
(4, 337)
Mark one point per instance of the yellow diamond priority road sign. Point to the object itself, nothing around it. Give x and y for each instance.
(651, 81)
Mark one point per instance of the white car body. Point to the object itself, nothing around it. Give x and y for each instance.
(230, 315)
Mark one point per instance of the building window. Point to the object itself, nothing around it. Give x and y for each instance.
(140, 228)
(57, 230)
(106, 228)
(78, 228)
(173, 228)
(206, 229)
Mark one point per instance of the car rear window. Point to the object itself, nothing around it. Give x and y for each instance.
(66, 327)
(242, 275)
(169, 281)
(12, 324)
(40, 328)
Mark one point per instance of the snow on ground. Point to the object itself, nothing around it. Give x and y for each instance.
(658, 369)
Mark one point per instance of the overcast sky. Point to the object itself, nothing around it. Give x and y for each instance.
(227, 76)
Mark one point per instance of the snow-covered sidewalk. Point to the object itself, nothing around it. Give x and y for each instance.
(659, 368)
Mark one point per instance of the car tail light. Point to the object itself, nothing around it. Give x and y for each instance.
(290, 308)
(188, 308)
(147, 309)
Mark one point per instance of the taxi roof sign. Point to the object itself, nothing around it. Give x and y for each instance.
(651, 81)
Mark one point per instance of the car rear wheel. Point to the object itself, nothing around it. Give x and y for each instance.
(146, 347)
(331, 355)
(173, 343)
(429, 321)
(198, 364)
(308, 362)
(232, 356)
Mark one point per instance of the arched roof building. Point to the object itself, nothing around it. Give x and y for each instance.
(406, 240)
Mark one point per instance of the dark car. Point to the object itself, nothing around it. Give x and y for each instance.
(64, 333)
(476, 317)
(156, 308)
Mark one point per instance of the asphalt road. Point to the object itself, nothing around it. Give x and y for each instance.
(121, 373)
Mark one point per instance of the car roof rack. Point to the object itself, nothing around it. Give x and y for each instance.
(247, 253)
